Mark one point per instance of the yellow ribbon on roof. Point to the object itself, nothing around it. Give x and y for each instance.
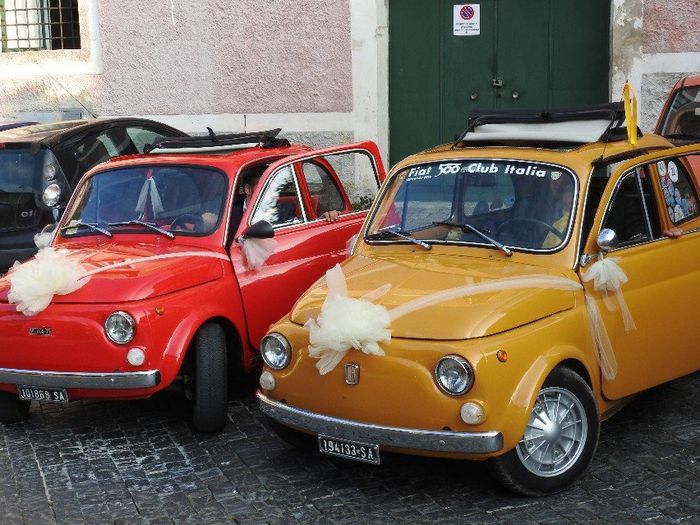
(630, 99)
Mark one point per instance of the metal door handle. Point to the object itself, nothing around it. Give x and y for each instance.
(474, 96)
(515, 95)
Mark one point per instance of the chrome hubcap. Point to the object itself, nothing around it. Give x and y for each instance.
(555, 435)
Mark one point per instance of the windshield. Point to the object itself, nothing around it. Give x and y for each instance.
(177, 199)
(20, 176)
(682, 122)
(522, 205)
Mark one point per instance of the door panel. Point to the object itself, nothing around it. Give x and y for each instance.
(523, 54)
(465, 74)
(547, 53)
(661, 293)
(304, 250)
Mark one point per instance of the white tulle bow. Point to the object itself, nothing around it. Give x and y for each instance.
(345, 323)
(257, 251)
(608, 277)
(34, 283)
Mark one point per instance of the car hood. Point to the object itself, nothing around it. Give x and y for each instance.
(136, 281)
(461, 318)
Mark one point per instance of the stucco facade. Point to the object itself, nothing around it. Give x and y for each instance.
(317, 69)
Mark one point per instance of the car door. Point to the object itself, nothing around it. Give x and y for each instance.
(644, 200)
(306, 245)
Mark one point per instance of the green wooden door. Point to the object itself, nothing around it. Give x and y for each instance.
(543, 53)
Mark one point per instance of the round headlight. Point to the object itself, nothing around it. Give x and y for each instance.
(276, 351)
(454, 375)
(49, 172)
(120, 327)
(51, 195)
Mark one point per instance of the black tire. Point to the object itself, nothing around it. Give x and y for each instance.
(295, 438)
(210, 408)
(12, 408)
(514, 470)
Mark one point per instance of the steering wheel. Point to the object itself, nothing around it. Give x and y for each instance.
(193, 218)
(538, 222)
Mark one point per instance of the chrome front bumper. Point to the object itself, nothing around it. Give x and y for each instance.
(87, 380)
(409, 438)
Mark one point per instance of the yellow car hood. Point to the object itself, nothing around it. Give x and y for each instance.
(461, 318)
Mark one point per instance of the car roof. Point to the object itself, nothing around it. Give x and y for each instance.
(53, 133)
(222, 160)
(580, 158)
(689, 81)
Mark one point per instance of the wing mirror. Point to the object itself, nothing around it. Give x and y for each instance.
(259, 230)
(607, 240)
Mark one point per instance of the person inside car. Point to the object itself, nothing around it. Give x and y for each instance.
(285, 211)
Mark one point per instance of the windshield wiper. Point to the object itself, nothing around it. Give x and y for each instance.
(469, 228)
(148, 225)
(392, 231)
(93, 226)
(682, 136)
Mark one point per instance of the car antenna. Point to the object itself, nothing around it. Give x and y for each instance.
(36, 63)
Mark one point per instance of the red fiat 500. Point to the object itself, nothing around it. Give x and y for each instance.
(178, 277)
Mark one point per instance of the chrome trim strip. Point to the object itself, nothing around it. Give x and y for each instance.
(410, 438)
(91, 380)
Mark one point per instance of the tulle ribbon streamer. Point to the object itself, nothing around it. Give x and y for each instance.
(345, 323)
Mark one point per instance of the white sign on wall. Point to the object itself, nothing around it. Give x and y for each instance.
(466, 20)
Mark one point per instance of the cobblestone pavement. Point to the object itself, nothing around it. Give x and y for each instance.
(137, 462)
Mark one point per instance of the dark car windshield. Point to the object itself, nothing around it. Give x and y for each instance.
(519, 204)
(179, 199)
(682, 122)
(20, 179)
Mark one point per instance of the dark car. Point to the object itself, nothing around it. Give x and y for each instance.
(41, 164)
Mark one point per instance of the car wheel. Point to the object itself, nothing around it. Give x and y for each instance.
(210, 397)
(292, 437)
(12, 408)
(559, 441)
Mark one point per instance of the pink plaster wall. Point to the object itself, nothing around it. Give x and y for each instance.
(671, 26)
(224, 56)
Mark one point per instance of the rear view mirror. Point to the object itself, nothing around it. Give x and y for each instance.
(607, 240)
(259, 230)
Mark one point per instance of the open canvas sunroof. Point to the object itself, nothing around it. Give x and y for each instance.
(547, 128)
(213, 143)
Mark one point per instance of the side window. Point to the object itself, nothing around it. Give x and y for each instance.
(357, 174)
(142, 137)
(93, 150)
(325, 195)
(680, 197)
(279, 203)
(627, 214)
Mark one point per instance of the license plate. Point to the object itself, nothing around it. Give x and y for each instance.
(33, 393)
(349, 449)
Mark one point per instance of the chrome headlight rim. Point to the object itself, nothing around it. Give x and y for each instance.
(125, 316)
(464, 364)
(282, 340)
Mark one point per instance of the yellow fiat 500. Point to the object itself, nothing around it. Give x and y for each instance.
(506, 294)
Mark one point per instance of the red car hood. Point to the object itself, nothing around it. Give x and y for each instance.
(135, 281)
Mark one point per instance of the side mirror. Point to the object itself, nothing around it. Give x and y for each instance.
(259, 230)
(607, 240)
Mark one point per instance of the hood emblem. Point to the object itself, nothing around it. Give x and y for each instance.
(40, 330)
(352, 373)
